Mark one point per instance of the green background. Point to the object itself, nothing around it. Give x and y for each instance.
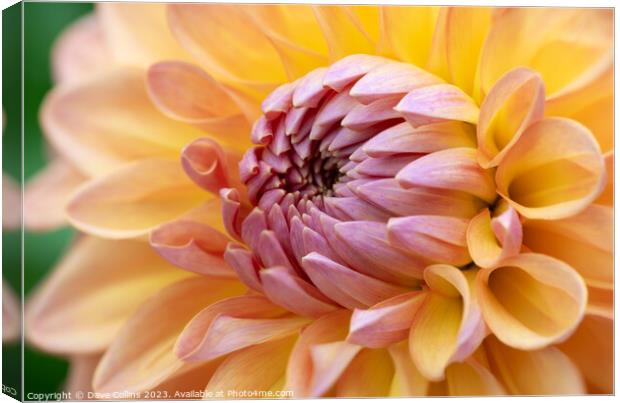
(43, 22)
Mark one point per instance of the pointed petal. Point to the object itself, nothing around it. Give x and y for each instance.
(139, 360)
(369, 374)
(532, 300)
(436, 103)
(94, 290)
(555, 170)
(133, 199)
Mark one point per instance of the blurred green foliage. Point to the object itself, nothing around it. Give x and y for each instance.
(43, 22)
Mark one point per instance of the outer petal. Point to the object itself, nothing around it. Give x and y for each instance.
(607, 196)
(542, 39)
(492, 240)
(138, 34)
(408, 381)
(514, 102)
(96, 287)
(369, 374)
(471, 378)
(554, 171)
(591, 348)
(108, 119)
(134, 199)
(532, 300)
(81, 50)
(47, 194)
(448, 327)
(540, 372)
(80, 376)
(343, 31)
(139, 359)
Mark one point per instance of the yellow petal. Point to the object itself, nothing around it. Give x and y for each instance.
(488, 243)
(134, 199)
(553, 171)
(242, 54)
(81, 50)
(139, 359)
(368, 375)
(607, 195)
(256, 368)
(514, 102)
(92, 292)
(584, 241)
(187, 93)
(448, 326)
(563, 44)
(531, 300)
(591, 347)
(471, 378)
(407, 379)
(109, 119)
(343, 31)
(138, 34)
(47, 194)
(466, 29)
(539, 372)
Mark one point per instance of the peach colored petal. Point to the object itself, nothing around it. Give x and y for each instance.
(81, 50)
(11, 314)
(233, 324)
(591, 349)
(531, 301)
(514, 102)
(470, 378)
(436, 103)
(540, 372)
(544, 38)
(138, 34)
(185, 92)
(584, 241)
(134, 199)
(93, 291)
(453, 169)
(492, 240)
(195, 242)
(108, 119)
(80, 376)
(139, 360)
(607, 195)
(407, 32)
(408, 381)
(47, 193)
(256, 368)
(369, 374)
(601, 302)
(554, 171)
(11, 203)
(385, 323)
(448, 326)
(466, 29)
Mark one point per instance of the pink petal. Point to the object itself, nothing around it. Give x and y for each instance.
(244, 264)
(438, 102)
(350, 68)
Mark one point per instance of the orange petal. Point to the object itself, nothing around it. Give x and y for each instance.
(369, 374)
(109, 119)
(138, 34)
(542, 39)
(407, 32)
(607, 195)
(492, 240)
(11, 314)
(233, 324)
(343, 31)
(385, 323)
(584, 241)
(448, 326)
(47, 194)
(137, 359)
(195, 242)
(408, 381)
(554, 171)
(81, 50)
(187, 93)
(540, 372)
(134, 199)
(471, 378)
(257, 368)
(514, 102)
(95, 288)
(591, 348)
(532, 300)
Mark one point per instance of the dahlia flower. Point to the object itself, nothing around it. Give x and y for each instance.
(366, 201)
